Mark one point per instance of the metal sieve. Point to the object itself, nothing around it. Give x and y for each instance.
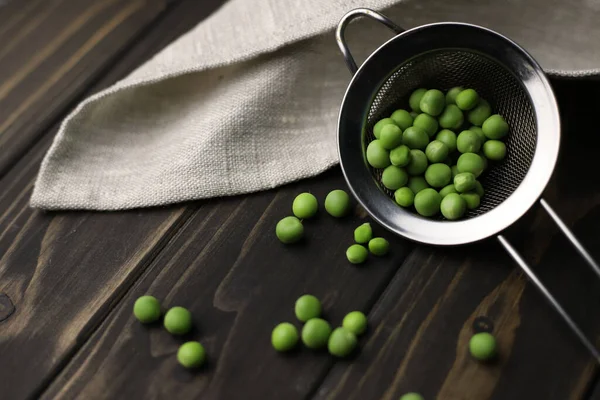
(444, 55)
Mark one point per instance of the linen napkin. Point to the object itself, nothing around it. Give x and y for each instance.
(248, 100)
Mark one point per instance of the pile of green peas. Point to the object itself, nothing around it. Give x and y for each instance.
(316, 333)
(432, 156)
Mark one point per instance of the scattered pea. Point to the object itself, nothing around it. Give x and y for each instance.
(438, 175)
(495, 127)
(468, 142)
(355, 322)
(483, 346)
(447, 190)
(427, 202)
(305, 205)
(390, 137)
(470, 162)
(337, 203)
(447, 137)
(377, 155)
(436, 151)
(467, 99)
(495, 150)
(379, 246)
(479, 133)
(452, 93)
(146, 309)
(341, 342)
(315, 333)
(453, 206)
(357, 254)
(479, 189)
(404, 196)
(418, 163)
(452, 117)
(472, 199)
(379, 126)
(400, 156)
(284, 337)
(394, 177)
(363, 233)
(412, 396)
(402, 118)
(307, 307)
(417, 183)
(178, 321)
(426, 122)
(415, 99)
(480, 113)
(415, 138)
(191, 355)
(289, 230)
(464, 182)
(433, 102)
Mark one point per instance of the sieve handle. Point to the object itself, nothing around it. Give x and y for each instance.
(341, 30)
(533, 277)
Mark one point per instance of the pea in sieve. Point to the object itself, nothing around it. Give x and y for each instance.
(444, 55)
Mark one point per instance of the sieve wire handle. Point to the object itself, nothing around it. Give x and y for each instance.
(533, 277)
(341, 30)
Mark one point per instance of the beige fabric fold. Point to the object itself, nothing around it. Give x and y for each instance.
(248, 100)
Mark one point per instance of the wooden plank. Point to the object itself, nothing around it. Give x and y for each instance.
(239, 281)
(63, 272)
(424, 320)
(52, 51)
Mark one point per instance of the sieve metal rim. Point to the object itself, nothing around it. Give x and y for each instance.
(374, 72)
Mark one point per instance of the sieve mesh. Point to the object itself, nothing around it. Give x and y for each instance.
(444, 69)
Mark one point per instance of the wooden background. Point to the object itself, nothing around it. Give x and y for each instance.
(68, 279)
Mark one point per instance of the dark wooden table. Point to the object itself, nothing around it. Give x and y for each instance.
(68, 279)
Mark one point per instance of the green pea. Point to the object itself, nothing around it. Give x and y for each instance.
(415, 99)
(495, 127)
(341, 342)
(479, 113)
(363, 233)
(495, 150)
(433, 102)
(191, 355)
(402, 118)
(452, 93)
(390, 137)
(377, 155)
(400, 156)
(289, 230)
(379, 246)
(146, 309)
(436, 151)
(357, 254)
(284, 337)
(305, 205)
(479, 189)
(178, 321)
(414, 114)
(447, 137)
(404, 196)
(453, 206)
(427, 123)
(454, 170)
(452, 117)
(468, 142)
(467, 99)
(479, 133)
(355, 322)
(427, 202)
(447, 190)
(337, 203)
(438, 175)
(418, 163)
(394, 177)
(415, 138)
(315, 333)
(482, 346)
(379, 126)
(464, 182)
(472, 199)
(416, 184)
(471, 162)
(307, 307)
(412, 396)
